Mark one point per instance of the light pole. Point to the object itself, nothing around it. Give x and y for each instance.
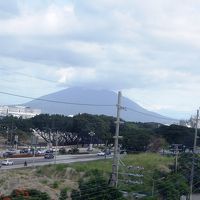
(91, 133)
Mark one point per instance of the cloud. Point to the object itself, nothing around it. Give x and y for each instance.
(149, 49)
(71, 76)
(8, 9)
(51, 21)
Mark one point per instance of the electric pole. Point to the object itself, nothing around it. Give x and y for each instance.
(193, 155)
(115, 164)
(176, 149)
(56, 147)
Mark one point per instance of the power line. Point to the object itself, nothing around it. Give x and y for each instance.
(29, 76)
(54, 101)
(84, 104)
(148, 114)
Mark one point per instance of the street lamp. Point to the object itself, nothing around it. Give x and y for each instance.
(91, 133)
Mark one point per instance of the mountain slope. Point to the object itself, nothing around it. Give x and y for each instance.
(97, 97)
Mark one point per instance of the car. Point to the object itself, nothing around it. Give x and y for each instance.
(123, 152)
(7, 162)
(7, 154)
(40, 152)
(48, 156)
(101, 153)
(49, 151)
(24, 151)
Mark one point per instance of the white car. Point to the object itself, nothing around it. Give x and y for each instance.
(7, 162)
(101, 154)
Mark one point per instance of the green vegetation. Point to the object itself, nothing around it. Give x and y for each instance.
(102, 165)
(137, 137)
(55, 184)
(150, 161)
(96, 188)
(184, 168)
(63, 194)
(29, 194)
(66, 179)
(173, 186)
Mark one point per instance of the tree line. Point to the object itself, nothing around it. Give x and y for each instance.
(75, 130)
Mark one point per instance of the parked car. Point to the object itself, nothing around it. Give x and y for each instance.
(40, 152)
(7, 154)
(48, 156)
(123, 152)
(101, 153)
(24, 151)
(7, 162)
(49, 151)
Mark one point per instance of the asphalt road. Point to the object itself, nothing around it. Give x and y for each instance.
(38, 161)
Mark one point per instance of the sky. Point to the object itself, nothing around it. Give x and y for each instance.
(147, 49)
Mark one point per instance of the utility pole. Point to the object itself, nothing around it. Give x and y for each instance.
(153, 187)
(115, 164)
(193, 155)
(56, 147)
(34, 143)
(176, 149)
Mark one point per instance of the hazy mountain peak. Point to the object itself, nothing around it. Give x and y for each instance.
(82, 95)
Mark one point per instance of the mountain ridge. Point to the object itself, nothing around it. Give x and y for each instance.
(77, 100)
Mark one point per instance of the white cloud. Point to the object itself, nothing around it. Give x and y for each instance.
(149, 49)
(73, 75)
(51, 21)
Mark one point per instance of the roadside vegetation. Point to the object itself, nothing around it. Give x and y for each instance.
(137, 137)
(53, 179)
(143, 171)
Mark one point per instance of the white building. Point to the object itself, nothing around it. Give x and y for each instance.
(19, 111)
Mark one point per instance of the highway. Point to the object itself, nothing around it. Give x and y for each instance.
(39, 161)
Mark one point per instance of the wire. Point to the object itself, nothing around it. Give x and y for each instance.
(27, 75)
(80, 104)
(93, 193)
(147, 114)
(61, 102)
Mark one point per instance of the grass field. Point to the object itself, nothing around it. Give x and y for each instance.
(148, 163)
(52, 178)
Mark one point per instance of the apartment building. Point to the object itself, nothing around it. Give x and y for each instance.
(19, 111)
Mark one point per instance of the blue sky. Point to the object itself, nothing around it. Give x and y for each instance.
(147, 49)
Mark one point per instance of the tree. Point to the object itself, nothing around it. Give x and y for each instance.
(175, 134)
(185, 165)
(156, 144)
(172, 187)
(136, 140)
(96, 188)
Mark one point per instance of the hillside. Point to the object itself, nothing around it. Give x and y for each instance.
(97, 97)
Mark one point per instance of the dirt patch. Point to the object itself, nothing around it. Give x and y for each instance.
(51, 183)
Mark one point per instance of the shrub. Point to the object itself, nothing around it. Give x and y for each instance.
(62, 151)
(73, 150)
(63, 194)
(55, 184)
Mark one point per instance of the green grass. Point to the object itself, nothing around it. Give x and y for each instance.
(149, 161)
(55, 184)
(101, 165)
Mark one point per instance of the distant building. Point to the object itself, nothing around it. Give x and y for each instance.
(19, 111)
